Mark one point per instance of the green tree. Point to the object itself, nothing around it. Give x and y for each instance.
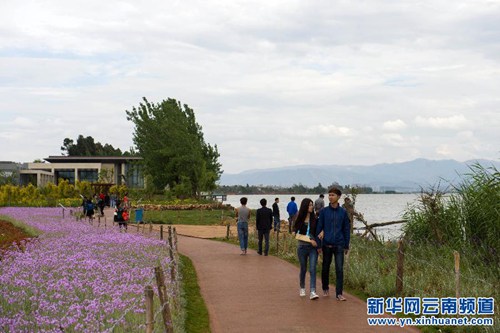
(10, 177)
(106, 175)
(88, 147)
(171, 143)
(319, 189)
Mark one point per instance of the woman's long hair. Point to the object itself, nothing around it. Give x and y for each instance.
(302, 214)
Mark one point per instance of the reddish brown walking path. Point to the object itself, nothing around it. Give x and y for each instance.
(255, 293)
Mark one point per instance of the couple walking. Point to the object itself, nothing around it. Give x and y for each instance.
(329, 233)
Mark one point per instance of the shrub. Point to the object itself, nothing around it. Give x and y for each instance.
(468, 219)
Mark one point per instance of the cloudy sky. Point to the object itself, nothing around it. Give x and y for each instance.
(273, 83)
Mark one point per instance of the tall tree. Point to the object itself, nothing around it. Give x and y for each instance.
(171, 143)
(88, 147)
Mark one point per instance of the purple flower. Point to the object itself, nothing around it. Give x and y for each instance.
(75, 276)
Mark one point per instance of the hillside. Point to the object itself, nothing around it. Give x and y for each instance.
(403, 177)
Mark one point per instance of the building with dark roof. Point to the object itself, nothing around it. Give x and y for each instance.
(117, 170)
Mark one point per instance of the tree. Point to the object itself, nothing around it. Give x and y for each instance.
(87, 147)
(171, 143)
(319, 189)
(9, 177)
(106, 175)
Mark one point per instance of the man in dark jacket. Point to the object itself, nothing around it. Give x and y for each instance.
(276, 215)
(264, 219)
(334, 230)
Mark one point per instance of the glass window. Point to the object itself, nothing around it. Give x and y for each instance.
(68, 175)
(134, 174)
(89, 175)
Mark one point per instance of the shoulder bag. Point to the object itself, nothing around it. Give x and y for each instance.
(304, 238)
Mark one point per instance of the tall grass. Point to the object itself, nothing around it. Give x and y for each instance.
(467, 220)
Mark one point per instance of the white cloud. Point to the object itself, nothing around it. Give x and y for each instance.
(394, 125)
(398, 140)
(280, 77)
(332, 130)
(444, 150)
(24, 122)
(452, 122)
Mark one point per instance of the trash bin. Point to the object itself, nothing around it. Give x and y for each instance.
(138, 215)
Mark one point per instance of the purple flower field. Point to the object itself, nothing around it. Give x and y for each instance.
(76, 277)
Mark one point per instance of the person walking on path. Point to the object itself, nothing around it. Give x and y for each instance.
(305, 224)
(334, 230)
(89, 209)
(291, 208)
(101, 203)
(264, 223)
(319, 204)
(243, 216)
(125, 201)
(276, 215)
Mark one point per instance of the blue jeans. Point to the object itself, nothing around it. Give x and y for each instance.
(277, 223)
(328, 254)
(303, 252)
(243, 235)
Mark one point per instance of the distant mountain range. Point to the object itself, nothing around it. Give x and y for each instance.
(402, 177)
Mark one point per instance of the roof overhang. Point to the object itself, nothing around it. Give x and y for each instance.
(92, 159)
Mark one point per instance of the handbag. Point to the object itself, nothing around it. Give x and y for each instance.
(304, 238)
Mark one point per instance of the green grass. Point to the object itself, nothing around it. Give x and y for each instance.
(190, 217)
(26, 228)
(197, 320)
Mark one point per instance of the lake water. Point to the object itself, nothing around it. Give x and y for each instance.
(374, 207)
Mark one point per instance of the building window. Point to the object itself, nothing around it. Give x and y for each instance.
(135, 178)
(68, 175)
(89, 175)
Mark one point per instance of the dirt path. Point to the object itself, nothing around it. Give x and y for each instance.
(255, 293)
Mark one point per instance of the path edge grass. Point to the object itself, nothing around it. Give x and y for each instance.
(197, 319)
(29, 230)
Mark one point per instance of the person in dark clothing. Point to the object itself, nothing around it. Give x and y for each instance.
(121, 216)
(276, 215)
(264, 221)
(306, 225)
(89, 209)
(84, 205)
(101, 204)
(334, 230)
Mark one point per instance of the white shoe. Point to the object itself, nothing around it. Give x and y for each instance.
(302, 292)
(313, 295)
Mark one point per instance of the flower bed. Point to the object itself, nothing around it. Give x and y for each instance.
(76, 277)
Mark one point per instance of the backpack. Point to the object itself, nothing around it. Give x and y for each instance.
(119, 215)
(89, 206)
